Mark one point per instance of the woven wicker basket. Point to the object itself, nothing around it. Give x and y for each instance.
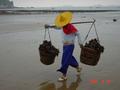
(89, 56)
(47, 58)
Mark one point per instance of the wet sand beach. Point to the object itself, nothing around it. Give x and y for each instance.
(20, 66)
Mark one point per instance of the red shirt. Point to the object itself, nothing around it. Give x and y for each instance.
(69, 28)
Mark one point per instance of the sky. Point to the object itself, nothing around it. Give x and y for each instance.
(56, 3)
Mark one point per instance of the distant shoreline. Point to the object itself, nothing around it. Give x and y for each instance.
(49, 11)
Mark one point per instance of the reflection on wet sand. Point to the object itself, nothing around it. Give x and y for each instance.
(51, 86)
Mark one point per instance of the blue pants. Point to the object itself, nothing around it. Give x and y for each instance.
(68, 59)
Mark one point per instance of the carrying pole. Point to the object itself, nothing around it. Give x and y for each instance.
(53, 26)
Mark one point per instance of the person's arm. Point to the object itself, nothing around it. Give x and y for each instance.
(49, 26)
(79, 39)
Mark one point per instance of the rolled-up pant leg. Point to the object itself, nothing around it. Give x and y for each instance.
(74, 62)
(67, 59)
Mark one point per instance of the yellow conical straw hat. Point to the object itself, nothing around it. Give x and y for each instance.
(63, 18)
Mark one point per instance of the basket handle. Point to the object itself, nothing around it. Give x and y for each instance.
(93, 24)
(96, 33)
(45, 36)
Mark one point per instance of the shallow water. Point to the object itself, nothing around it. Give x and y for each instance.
(20, 66)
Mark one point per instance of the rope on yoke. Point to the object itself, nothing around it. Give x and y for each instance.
(88, 33)
(96, 33)
(47, 30)
(93, 24)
